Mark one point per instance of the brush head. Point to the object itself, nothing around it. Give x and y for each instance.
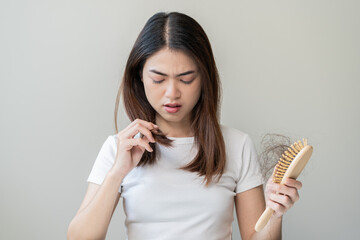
(292, 161)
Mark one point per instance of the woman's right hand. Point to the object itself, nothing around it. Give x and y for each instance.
(129, 149)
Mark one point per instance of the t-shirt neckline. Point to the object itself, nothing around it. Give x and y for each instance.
(182, 140)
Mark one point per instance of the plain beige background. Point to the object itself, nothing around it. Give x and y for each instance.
(289, 67)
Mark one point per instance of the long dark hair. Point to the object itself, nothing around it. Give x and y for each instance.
(178, 32)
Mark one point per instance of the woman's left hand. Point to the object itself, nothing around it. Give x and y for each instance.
(281, 197)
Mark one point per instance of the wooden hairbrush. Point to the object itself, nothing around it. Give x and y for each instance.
(290, 165)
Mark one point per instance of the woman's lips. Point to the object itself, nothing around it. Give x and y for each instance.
(172, 109)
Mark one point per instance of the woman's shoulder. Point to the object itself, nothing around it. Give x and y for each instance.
(232, 134)
(110, 142)
(236, 141)
(113, 137)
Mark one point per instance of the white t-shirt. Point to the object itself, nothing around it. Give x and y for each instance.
(163, 202)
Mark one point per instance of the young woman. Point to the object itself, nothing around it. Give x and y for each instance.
(180, 173)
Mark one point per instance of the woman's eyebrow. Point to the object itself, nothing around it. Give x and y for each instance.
(179, 75)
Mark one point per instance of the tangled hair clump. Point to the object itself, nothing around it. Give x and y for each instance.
(273, 146)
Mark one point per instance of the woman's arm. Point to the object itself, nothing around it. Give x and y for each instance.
(249, 207)
(93, 217)
(251, 204)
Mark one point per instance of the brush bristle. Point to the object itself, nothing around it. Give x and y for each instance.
(287, 157)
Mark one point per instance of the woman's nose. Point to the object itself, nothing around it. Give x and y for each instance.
(172, 90)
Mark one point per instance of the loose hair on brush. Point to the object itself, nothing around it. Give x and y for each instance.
(273, 146)
(178, 32)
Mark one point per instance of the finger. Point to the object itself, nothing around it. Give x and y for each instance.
(130, 143)
(139, 128)
(272, 187)
(284, 200)
(290, 192)
(293, 183)
(136, 121)
(277, 187)
(147, 124)
(277, 207)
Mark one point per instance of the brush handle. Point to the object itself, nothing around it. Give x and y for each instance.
(264, 218)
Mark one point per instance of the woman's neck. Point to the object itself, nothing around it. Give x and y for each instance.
(175, 129)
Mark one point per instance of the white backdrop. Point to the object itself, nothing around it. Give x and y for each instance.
(290, 67)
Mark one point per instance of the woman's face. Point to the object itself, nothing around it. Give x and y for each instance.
(171, 77)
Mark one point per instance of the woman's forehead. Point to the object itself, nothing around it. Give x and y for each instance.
(167, 59)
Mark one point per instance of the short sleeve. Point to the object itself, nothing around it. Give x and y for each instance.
(104, 161)
(250, 175)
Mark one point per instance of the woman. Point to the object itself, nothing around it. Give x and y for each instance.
(177, 169)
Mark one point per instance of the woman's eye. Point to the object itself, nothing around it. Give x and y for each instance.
(157, 81)
(160, 81)
(187, 82)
